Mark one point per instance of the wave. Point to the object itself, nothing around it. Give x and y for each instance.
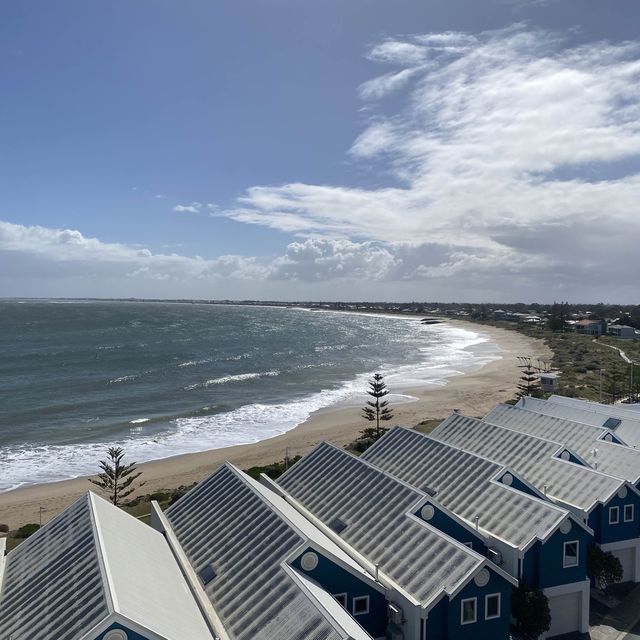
(193, 363)
(125, 378)
(139, 420)
(240, 377)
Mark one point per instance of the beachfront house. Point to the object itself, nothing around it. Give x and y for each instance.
(541, 544)
(624, 422)
(608, 505)
(96, 573)
(266, 570)
(437, 587)
(601, 448)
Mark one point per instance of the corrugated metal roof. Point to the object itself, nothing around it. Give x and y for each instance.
(463, 484)
(224, 523)
(531, 457)
(90, 561)
(615, 459)
(53, 583)
(331, 483)
(596, 414)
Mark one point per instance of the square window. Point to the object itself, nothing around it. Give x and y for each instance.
(628, 513)
(570, 554)
(341, 598)
(360, 605)
(614, 515)
(468, 610)
(492, 606)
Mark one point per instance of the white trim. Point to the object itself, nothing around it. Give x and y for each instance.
(623, 545)
(475, 610)
(358, 599)
(340, 597)
(583, 588)
(615, 510)
(624, 512)
(486, 601)
(564, 554)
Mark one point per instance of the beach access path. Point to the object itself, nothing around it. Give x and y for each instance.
(474, 394)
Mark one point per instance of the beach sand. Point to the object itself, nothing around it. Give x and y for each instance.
(474, 394)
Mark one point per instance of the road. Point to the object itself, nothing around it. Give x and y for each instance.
(634, 634)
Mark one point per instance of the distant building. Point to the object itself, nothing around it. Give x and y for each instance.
(622, 331)
(549, 382)
(590, 327)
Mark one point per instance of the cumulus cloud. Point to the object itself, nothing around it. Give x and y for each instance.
(194, 207)
(506, 138)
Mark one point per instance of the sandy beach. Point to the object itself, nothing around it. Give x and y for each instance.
(473, 394)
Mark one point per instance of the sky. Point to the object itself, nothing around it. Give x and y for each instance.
(450, 150)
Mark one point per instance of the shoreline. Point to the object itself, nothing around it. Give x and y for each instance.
(473, 393)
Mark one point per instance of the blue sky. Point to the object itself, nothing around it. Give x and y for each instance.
(450, 150)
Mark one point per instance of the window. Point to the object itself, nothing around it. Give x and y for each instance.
(628, 513)
(614, 515)
(468, 610)
(207, 574)
(492, 606)
(570, 554)
(360, 605)
(341, 598)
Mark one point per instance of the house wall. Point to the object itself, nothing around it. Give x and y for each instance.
(551, 572)
(605, 532)
(131, 635)
(445, 523)
(444, 620)
(335, 579)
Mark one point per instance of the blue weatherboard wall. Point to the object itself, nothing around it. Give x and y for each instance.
(335, 579)
(521, 486)
(572, 458)
(131, 635)
(543, 563)
(605, 532)
(497, 629)
(452, 527)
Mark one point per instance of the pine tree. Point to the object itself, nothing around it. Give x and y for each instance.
(378, 408)
(529, 381)
(116, 478)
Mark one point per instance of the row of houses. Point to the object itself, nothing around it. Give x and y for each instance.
(423, 537)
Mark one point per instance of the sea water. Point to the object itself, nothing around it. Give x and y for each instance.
(161, 379)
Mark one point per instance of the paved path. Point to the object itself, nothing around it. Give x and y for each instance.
(623, 355)
(621, 623)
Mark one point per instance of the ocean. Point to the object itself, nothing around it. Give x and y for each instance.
(161, 379)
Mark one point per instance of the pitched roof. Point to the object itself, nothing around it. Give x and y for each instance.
(595, 414)
(467, 484)
(588, 441)
(90, 561)
(375, 508)
(534, 458)
(243, 534)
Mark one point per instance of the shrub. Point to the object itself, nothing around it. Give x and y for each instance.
(530, 608)
(27, 530)
(4, 528)
(603, 567)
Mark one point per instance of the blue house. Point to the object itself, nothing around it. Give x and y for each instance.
(96, 573)
(265, 569)
(437, 588)
(539, 543)
(608, 505)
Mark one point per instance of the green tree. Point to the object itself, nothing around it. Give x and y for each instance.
(530, 608)
(377, 409)
(603, 567)
(529, 384)
(116, 479)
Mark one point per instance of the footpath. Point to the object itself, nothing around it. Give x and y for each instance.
(620, 620)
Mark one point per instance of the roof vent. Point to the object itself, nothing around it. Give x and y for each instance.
(337, 525)
(612, 423)
(207, 574)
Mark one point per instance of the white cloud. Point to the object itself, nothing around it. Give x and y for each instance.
(504, 135)
(194, 207)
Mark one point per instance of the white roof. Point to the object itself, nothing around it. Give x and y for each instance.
(91, 561)
(589, 442)
(536, 459)
(468, 485)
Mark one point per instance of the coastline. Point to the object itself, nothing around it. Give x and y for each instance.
(473, 393)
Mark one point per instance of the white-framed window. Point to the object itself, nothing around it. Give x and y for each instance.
(341, 598)
(614, 515)
(628, 513)
(570, 555)
(360, 605)
(468, 610)
(492, 606)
